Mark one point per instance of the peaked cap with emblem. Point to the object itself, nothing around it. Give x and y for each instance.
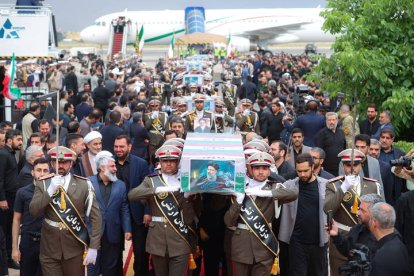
(199, 97)
(346, 155)
(255, 145)
(168, 152)
(176, 143)
(154, 101)
(246, 102)
(62, 153)
(260, 159)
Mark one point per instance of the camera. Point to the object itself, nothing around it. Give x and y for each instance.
(358, 263)
(404, 162)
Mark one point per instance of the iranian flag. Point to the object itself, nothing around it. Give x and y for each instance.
(140, 39)
(171, 48)
(230, 52)
(10, 92)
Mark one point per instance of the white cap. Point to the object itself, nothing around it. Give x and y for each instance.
(104, 154)
(92, 136)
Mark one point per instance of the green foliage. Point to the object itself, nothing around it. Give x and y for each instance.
(373, 55)
(404, 146)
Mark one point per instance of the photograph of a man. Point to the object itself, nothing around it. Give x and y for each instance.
(211, 180)
(203, 126)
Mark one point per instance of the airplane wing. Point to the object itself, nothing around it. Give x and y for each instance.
(271, 32)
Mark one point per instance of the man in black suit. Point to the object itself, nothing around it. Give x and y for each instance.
(111, 131)
(370, 125)
(139, 136)
(9, 186)
(132, 170)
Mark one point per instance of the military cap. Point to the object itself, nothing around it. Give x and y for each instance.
(154, 101)
(246, 102)
(255, 145)
(219, 102)
(199, 97)
(260, 159)
(174, 143)
(346, 155)
(228, 77)
(92, 136)
(208, 77)
(182, 102)
(62, 153)
(168, 152)
(179, 77)
(193, 85)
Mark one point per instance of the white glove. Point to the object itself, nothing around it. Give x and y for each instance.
(188, 194)
(246, 112)
(166, 189)
(90, 256)
(349, 182)
(154, 114)
(55, 182)
(259, 193)
(239, 197)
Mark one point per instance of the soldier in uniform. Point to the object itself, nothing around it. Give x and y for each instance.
(253, 249)
(169, 237)
(156, 87)
(156, 123)
(192, 89)
(247, 120)
(342, 197)
(222, 120)
(198, 113)
(228, 90)
(65, 200)
(177, 87)
(208, 87)
(181, 110)
(165, 79)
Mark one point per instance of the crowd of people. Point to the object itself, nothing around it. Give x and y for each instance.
(75, 187)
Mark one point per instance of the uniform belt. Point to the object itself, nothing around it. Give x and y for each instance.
(245, 227)
(56, 224)
(242, 226)
(343, 226)
(155, 132)
(159, 219)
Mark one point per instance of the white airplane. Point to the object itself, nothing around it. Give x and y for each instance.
(248, 28)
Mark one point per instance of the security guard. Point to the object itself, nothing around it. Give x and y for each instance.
(170, 239)
(254, 246)
(65, 200)
(198, 113)
(192, 89)
(155, 122)
(342, 198)
(27, 253)
(247, 120)
(177, 87)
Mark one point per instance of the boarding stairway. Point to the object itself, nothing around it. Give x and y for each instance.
(118, 37)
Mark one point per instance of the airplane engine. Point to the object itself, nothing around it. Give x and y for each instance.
(243, 44)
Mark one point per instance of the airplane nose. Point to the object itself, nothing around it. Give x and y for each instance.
(87, 34)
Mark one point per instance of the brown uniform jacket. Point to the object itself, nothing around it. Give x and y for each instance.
(246, 247)
(189, 120)
(242, 124)
(57, 243)
(162, 239)
(156, 135)
(335, 195)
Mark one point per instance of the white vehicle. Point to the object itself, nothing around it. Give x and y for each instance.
(247, 27)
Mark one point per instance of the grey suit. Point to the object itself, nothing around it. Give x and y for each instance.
(373, 169)
(291, 160)
(288, 218)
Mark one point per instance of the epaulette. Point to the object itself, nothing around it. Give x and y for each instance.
(336, 178)
(206, 111)
(47, 176)
(81, 177)
(370, 179)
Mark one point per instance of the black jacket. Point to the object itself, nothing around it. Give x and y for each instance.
(332, 143)
(25, 176)
(109, 133)
(366, 127)
(391, 257)
(8, 172)
(404, 223)
(101, 97)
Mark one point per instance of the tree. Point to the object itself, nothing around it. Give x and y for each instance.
(373, 55)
